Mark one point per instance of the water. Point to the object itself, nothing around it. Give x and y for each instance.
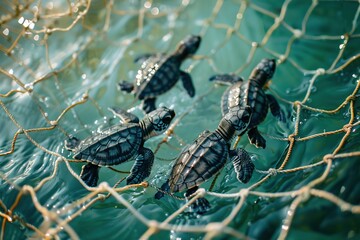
(94, 55)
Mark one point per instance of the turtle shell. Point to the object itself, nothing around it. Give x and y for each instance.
(112, 146)
(199, 162)
(248, 93)
(157, 75)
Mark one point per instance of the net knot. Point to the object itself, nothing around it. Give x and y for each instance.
(320, 71)
(103, 186)
(350, 98)
(305, 193)
(298, 33)
(328, 157)
(347, 127)
(272, 171)
(201, 192)
(244, 192)
(291, 137)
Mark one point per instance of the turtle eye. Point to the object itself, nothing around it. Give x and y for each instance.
(246, 118)
(166, 120)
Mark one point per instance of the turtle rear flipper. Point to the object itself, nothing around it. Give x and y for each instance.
(90, 174)
(126, 86)
(201, 205)
(226, 79)
(148, 105)
(142, 167)
(275, 108)
(243, 165)
(256, 138)
(187, 83)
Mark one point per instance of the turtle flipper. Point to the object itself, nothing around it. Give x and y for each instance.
(275, 108)
(187, 83)
(126, 86)
(90, 174)
(124, 115)
(71, 143)
(164, 188)
(243, 165)
(255, 138)
(148, 105)
(226, 79)
(201, 205)
(142, 167)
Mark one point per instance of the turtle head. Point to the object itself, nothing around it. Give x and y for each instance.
(188, 46)
(264, 71)
(239, 118)
(157, 121)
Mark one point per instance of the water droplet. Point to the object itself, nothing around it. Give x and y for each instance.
(285, 227)
(341, 46)
(6, 32)
(342, 189)
(11, 71)
(21, 20)
(83, 76)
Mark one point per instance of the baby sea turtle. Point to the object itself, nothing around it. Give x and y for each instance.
(251, 93)
(121, 143)
(160, 72)
(207, 155)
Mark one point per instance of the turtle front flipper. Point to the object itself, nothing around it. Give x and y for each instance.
(148, 105)
(226, 79)
(201, 205)
(187, 83)
(126, 86)
(142, 167)
(90, 174)
(255, 138)
(164, 188)
(275, 108)
(124, 115)
(243, 165)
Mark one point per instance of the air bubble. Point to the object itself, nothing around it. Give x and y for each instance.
(147, 4)
(155, 11)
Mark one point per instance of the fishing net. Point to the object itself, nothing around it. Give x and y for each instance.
(62, 60)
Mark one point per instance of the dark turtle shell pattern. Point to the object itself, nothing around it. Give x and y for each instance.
(114, 145)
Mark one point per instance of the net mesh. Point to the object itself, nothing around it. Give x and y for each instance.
(61, 60)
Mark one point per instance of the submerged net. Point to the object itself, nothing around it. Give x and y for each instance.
(61, 62)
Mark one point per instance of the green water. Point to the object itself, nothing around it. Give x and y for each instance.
(102, 60)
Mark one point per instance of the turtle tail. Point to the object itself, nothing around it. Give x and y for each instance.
(125, 86)
(164, 189)
(90, 174)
